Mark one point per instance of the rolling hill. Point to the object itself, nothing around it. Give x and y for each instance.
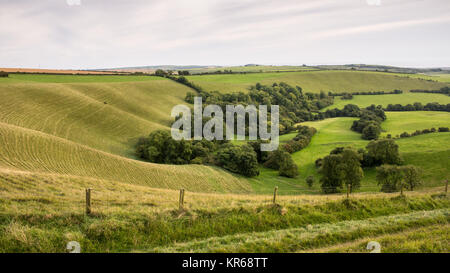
(316, 81)
(89, 130)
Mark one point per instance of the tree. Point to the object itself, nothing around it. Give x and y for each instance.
(384, 151)
(332, 173)
(160, 73)
(239, 159)
(159, 147)
(390, 177)
(275, 158)
(341, 167)
(310, 181)
(351, 168)
(412, 176)
(288, 167)
(371, 131)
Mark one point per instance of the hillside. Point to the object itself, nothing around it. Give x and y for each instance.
(316, 81)
(90, 129)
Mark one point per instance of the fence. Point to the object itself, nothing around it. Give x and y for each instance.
(181, 198)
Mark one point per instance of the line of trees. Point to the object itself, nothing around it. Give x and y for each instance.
(424, 131)
(4, 74)
(301, 140)
(294, 105)
(444, 90)
(369, 123)
(396, 91)
(160, 147)
(417, 106)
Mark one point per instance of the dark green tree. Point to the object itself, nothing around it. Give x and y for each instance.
(371, 131)
(288, 167)
(390, 177)
(332, 173)
(412, 176)
(384, 151)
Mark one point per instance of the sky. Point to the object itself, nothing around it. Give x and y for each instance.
(88, 34)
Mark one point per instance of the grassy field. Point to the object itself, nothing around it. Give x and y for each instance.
(439, 77)
(428, 151)
(89, 130)
(253, 68)
(399, 122)
(316, 81)
(41, 213)
(384, 100)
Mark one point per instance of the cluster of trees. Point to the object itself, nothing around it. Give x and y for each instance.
(3, 74)
(282, 161)
(443, 90)
(369, 123)
(238, 159)
(394, 178)
(343, 166)
(160, 147)
(424, 131)
(417, 106)
(184, 72)
(301, 140)
(294, 105)
(396, 91)
(347, 96)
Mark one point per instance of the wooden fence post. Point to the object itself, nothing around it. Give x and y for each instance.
(446, 186)
(348, 191)
(88, 201)
(275, 195)
(181, 201)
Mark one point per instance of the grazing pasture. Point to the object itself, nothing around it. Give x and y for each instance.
(316, 81)
(384, 100)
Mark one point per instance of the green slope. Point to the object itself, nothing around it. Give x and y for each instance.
(384, 100)
(430, 151)
(89, 130)
(316, 81)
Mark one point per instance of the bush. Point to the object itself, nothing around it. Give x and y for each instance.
(443, 129)
(159, 147)
(404, 134)
(239, 159)
(371, 131)
(288, 168)
(4, 74)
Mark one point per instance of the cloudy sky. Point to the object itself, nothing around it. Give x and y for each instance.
(83, 34)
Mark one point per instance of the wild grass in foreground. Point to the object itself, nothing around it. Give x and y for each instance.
(290, 240)
(430, 239)
(32, 225)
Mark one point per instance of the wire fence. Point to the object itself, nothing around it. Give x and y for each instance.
(103, 200)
